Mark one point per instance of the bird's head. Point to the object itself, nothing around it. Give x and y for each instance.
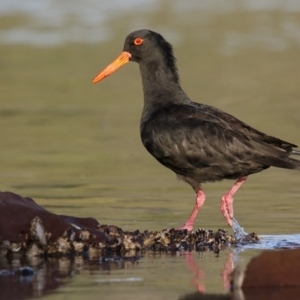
(141, 46)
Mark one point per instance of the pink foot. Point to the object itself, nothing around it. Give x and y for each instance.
(186, 226)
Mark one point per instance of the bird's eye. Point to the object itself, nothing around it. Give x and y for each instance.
(138, 41)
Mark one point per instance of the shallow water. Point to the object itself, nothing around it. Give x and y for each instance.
(75, 147)
(145, 275)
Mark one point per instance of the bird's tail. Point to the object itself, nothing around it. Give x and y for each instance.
(277, 157)
(282, 162)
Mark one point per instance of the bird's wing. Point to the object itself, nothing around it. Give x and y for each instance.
(250, 131)
(193, 142)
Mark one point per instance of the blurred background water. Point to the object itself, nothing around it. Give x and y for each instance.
(75, 147)
(50, 22)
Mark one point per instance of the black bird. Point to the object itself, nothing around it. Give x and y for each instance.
(200, 143)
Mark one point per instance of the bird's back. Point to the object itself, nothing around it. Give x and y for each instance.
(204, 143)
(248, 130)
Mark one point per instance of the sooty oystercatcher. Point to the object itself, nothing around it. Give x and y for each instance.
(200, 143)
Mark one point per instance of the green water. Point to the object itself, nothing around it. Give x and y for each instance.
(75, 147)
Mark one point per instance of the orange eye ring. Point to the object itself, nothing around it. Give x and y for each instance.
(138, 41)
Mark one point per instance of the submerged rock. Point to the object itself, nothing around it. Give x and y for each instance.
(273, 269)
(274, 274)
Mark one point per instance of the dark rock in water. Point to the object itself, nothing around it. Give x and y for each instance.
(16, 214)
(28, 229)
(271, 275)
(273, 269)
(275, 293)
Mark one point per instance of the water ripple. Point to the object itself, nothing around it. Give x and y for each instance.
(284, 241)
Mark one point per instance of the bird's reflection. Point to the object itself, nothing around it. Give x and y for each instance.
(198, 274)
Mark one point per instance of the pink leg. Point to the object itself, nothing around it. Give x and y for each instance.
(189, 224)
(227, 200)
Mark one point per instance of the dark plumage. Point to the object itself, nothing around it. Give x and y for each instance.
(198, 142)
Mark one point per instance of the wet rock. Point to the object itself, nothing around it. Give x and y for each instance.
(273, 269)
(271, 275)
(28, 229)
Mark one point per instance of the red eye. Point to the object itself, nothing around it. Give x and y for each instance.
(138, 41)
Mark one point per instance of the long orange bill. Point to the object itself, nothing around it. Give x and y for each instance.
(121, 60)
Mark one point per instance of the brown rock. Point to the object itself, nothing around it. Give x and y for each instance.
(17, 213)
(274, 293)
(274, 269)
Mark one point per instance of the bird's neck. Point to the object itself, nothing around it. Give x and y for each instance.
(160, 86)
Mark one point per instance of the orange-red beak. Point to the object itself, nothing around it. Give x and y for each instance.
(121, 60)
